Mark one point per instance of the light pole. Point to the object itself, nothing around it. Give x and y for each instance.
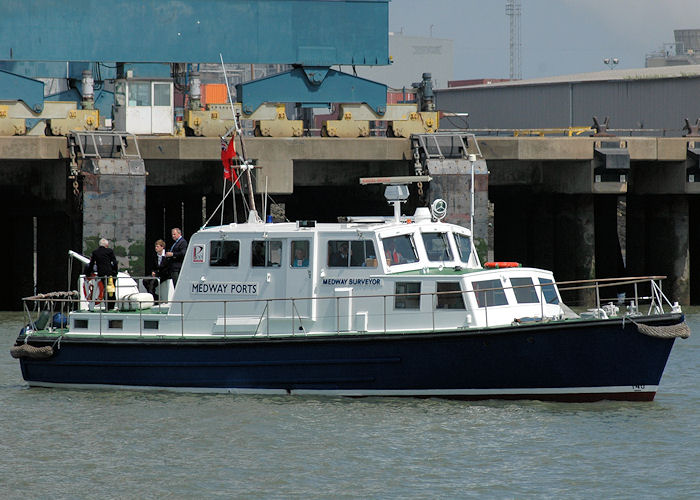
(611, 62)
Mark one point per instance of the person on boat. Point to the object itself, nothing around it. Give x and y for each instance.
(177, 253)
(340, 258)
(161, 270)
(392, 255)
(258, 254)
(300, 258)
(103, 263)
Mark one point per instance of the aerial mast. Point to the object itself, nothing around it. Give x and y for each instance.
(513, 12)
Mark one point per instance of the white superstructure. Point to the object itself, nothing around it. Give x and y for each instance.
(304, 278)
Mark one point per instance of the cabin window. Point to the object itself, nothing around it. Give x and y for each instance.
(524, 291)
(549, 292)
(362, 254)
(116, 324)
(338, 253)
(464, 247)
(351, 253)
(449, 296)
(80, 323)
(399, 250)
(150, 324)
(224, 253)
(489, 293)
(406, 295)
(299, 251)
(437, 246)
(266, 253)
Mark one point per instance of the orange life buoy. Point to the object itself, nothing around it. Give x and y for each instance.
(499, 265)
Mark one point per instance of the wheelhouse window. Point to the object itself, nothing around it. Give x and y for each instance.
(266, 253)
(300, 253)
(464, 247)
(399, 250)
(224, 253)
(449, 296)
(437, 246)
(548, 291)
(524, 291)
(407, 295)
(489, 293)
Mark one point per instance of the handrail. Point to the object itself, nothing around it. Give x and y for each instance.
(471, 306)
(620, 282)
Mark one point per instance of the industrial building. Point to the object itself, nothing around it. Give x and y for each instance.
(647, 98)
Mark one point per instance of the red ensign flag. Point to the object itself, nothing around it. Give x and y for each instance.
(228, 153)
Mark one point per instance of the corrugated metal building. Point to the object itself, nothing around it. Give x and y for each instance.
(658, 98)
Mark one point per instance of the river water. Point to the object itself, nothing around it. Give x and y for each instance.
(130, 444)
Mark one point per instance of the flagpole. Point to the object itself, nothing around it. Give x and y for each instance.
(222, 207)
(236, 122)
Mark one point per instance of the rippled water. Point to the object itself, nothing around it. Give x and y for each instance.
(130, 444)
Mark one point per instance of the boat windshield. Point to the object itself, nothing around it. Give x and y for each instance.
(437, 246)
(400, 249)
(464, 247)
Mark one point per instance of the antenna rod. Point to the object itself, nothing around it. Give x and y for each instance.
(236, 121)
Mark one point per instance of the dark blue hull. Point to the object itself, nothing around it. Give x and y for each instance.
(577, 361)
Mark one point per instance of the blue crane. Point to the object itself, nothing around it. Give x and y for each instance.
(311, 35)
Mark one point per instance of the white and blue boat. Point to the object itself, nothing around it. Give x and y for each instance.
(385, 306)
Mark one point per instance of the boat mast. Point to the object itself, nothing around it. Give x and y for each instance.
(472, 159)
(246, 166)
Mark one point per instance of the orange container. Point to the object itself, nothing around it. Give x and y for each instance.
(214, 93)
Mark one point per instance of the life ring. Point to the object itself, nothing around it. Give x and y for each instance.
(501, 265)
(93, 288)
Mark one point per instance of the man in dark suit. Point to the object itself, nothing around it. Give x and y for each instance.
(103, 262)
(177, 253)
(160, 266)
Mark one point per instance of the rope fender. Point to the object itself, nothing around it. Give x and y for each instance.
(681, 330)
(31, 352)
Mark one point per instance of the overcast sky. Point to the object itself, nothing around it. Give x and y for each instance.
(558, 36)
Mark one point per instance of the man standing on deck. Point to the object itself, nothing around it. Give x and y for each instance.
(103, 262)
(177, 253)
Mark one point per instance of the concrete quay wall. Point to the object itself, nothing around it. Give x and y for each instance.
(549, 211)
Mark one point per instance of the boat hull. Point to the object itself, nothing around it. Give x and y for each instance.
(568, 361)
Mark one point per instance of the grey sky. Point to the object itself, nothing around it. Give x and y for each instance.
(558, 36)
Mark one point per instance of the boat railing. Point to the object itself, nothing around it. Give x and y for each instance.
(454, 309)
